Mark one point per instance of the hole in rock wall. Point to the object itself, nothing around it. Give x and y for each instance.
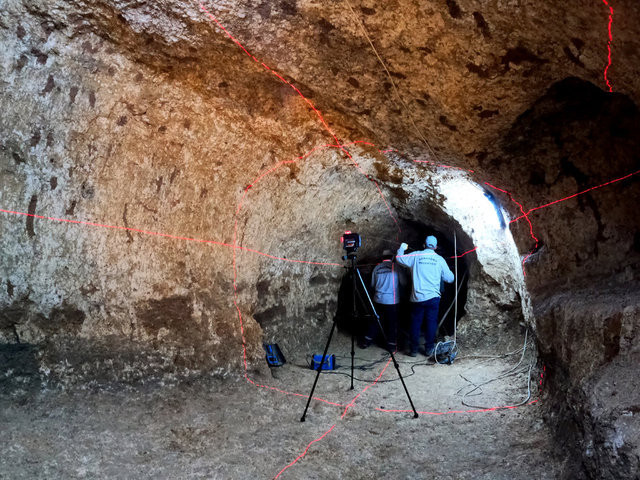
(414, 234)
(294, 304)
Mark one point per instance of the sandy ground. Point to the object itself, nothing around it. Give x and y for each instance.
(218, 429)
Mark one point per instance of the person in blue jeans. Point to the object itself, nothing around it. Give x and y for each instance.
(386, 283)
(428, 269)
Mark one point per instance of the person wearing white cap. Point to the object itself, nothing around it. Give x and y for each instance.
(428, 269)
(386, 284)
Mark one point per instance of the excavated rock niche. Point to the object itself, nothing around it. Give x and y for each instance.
(294, 304)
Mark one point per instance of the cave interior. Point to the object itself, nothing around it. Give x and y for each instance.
(175, 178)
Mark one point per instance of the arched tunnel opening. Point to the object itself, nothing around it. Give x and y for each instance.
(295, 308)
(414, 233)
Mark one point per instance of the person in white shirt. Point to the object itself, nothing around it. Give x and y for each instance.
(385, 282)
(428, 269)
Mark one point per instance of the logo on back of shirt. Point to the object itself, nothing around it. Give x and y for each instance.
(427, 261)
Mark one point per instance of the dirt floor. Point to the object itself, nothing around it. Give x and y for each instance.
(231, 429)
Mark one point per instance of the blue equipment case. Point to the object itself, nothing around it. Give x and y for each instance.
(274, 355)
(329, 362)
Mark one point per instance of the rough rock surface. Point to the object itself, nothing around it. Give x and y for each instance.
(149, 117)
(207, 428)
(592, 337)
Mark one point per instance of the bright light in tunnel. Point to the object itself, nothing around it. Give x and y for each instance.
(470, 201)
(485, 222)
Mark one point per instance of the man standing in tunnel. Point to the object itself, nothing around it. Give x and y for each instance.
(386, 284)
(428, 269)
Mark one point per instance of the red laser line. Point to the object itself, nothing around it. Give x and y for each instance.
(609, 43)
(269, 171)
(115, 227)
(465, 253)
(275, 73)
(524, 260)
(346, 409)
(449, 412)
(165, 235)
(299, 457)
(353, 402)
(575, 195)
(408, 255)
(268, 387)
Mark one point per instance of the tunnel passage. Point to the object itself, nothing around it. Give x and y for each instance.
(295, 305)
(414, 233)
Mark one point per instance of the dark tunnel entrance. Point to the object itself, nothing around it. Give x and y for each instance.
(414, 233)
(296, 309)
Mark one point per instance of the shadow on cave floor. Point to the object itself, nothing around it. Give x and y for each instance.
(218, 430)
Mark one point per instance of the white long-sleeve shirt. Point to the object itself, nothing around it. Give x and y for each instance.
(386, 283)
(427, 270)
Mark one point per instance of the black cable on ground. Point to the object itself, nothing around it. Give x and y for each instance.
(413, 372)
(508, 373)
(370, 366)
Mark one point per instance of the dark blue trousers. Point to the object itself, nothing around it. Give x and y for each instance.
(389, 319)
(426, 311)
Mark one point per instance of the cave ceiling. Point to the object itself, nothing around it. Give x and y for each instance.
(466, 70)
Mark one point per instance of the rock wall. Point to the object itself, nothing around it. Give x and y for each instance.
(593, 402)
(583, 271)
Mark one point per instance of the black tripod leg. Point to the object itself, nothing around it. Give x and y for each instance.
(324, 356)
(353, 353)
(384, 335)
(354, 315)
(395, 364)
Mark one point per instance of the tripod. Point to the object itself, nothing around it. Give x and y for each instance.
(355, 276)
